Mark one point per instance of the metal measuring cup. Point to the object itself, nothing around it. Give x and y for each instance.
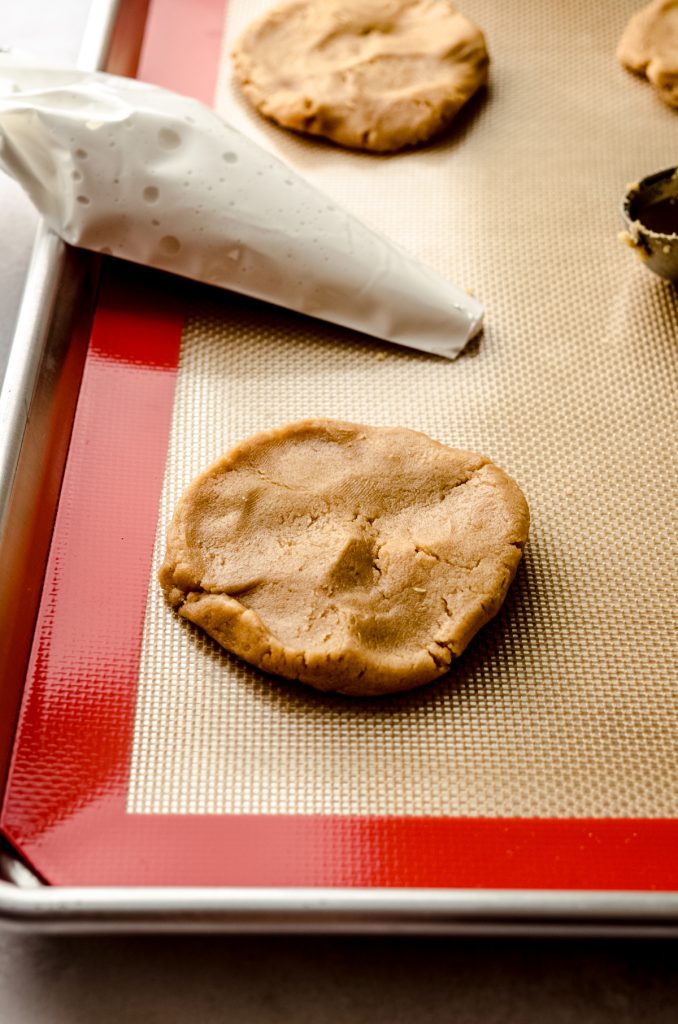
(650, 211)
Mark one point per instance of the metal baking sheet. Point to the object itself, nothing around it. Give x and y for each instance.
(534, 786)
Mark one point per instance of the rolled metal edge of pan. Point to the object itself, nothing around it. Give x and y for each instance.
(335, 911)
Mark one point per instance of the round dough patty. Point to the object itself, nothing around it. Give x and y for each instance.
(368, 74)
(649, 46)
(357, 559)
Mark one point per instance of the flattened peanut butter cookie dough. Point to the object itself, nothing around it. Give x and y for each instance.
(649, 46)
(368, 74)
(357, 559)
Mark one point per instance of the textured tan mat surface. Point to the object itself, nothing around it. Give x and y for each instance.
(566, 704)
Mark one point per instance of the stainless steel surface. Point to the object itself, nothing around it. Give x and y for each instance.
(317, 979)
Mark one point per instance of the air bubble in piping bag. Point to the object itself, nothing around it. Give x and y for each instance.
(120, 167)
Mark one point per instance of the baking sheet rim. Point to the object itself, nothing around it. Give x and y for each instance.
(297, 908)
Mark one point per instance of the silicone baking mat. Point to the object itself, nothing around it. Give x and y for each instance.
(546, 758)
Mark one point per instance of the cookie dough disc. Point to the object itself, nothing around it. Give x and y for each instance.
(356, 559)
(368, 74)
(649, 46)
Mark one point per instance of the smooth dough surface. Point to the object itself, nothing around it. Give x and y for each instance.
(649, 46)
(356, 559)
(368, 74)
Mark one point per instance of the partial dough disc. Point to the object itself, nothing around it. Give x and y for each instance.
(368, 74)
(357, 559)
(649, 46)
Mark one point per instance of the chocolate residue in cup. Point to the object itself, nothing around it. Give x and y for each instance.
(660, 217)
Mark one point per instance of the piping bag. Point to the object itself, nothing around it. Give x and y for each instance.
(136, 171)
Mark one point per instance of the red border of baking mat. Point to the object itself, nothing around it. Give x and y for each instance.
(65, 806)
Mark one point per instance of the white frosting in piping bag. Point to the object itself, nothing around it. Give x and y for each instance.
(130, 169)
